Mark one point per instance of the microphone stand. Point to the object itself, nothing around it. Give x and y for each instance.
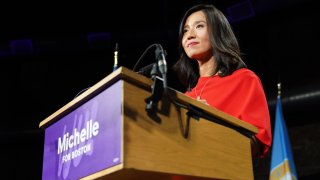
(158, 86)
(153, 99)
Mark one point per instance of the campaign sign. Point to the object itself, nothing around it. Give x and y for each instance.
(86, 140)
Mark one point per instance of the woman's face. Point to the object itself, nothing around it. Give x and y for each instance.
(195, 40)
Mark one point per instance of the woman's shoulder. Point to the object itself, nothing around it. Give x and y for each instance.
(245, 72)
(246, 76)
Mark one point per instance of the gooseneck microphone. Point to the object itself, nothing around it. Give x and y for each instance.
(160, 56)
(162, 63)
(142, 56)
(159, 87)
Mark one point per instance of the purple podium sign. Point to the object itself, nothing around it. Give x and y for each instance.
(87, 140)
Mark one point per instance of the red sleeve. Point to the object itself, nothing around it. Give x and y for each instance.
(250, 105)
(242, 96)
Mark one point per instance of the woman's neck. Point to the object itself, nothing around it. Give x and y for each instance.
(207, 68)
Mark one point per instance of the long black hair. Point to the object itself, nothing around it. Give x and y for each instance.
(226, 49)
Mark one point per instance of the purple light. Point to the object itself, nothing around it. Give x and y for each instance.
(21, 47)
(240, 11)
(98, 37)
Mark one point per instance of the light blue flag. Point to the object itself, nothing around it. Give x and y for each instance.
(282, 164)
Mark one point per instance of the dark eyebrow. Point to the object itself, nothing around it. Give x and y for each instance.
(196, 22)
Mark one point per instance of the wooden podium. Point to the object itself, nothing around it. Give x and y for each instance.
(158, 149)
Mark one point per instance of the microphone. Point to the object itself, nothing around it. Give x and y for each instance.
(159, 67)
(162, 63)
(115, 65)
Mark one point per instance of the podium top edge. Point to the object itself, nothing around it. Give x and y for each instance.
(129, 75)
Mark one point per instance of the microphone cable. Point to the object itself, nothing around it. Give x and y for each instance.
(142, 56)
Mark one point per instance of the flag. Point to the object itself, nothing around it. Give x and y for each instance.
(282, 164)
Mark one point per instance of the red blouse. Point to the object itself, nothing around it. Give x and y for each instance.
(241, 95)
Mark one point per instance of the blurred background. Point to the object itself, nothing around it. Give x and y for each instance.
(51, 51)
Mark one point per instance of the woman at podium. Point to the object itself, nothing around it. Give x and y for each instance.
(213, 72)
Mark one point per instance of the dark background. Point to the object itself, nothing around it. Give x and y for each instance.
(51, 51)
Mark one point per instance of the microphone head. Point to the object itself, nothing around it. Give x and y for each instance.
(160, 56)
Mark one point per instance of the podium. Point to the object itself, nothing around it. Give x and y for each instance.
(106, 133)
